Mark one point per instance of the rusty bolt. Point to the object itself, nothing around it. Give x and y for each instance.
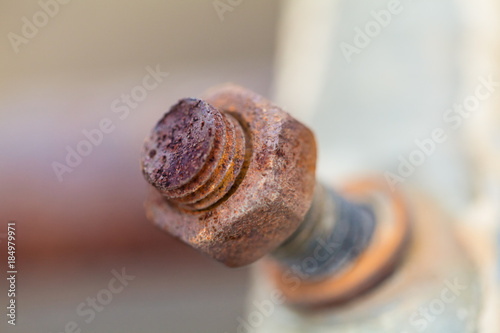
(194, 154)
(232, 175)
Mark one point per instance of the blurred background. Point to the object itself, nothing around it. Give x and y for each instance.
(62, 71)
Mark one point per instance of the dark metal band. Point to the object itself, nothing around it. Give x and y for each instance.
(335, 231)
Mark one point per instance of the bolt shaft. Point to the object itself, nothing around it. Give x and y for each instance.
(334, 232)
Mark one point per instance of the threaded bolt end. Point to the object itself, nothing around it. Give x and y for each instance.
(194, 154)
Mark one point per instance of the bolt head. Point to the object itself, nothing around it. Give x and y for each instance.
(271, 196)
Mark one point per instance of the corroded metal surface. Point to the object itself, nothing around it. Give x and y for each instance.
(334, 233)
(383, 254)
(248, 209)
(180, 144)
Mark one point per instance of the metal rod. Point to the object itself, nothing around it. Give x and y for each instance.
(334, 233)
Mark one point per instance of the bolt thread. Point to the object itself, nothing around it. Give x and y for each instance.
(219, 173)
(194, 154)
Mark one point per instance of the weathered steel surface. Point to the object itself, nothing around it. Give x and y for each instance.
(245, 203)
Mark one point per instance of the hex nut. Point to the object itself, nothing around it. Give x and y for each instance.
(270, 195)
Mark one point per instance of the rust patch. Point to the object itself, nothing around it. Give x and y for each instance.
(256, 197)
(180, 144)
(222, 167)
